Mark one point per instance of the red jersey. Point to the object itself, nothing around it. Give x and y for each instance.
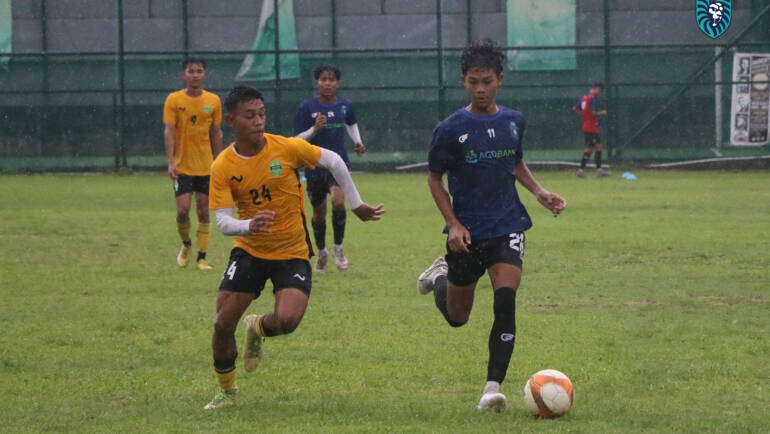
(587, 106)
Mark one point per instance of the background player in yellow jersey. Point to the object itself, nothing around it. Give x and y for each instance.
(193, 135)
(258, 174)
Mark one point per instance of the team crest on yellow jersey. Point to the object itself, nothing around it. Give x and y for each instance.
(275, 167)
(207, 109)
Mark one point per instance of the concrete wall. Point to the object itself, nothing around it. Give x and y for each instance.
(157, 25)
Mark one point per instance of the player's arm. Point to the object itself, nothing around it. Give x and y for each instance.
(169, 131)
(318, 125)
(330, 160)
(355, 136)
(594, 110)
(552, 201)
(217, 138)
(459, 238)
(229, 225)
(576, 109)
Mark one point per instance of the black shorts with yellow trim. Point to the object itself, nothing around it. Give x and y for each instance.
(185, 184)
(248, 274)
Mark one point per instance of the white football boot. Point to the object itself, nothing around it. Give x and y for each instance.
(492, 401)
(428, 277)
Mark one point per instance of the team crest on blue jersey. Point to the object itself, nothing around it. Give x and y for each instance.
(344, 111)
(514, 130)
(471, 157)
(713, 16)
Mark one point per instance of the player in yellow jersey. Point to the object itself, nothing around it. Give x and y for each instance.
(193, 135)
(258, 174)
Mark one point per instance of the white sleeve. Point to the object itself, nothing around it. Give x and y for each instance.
(353, 132)
(307, 134)
(332, 161)
(230, 225)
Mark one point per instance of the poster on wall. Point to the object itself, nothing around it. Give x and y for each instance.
(262, 66)
(750, 119)
(541, 23)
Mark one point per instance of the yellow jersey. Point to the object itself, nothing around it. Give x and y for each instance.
(267, 181)
(193, 118)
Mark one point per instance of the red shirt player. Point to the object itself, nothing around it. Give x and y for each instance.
(587, 109)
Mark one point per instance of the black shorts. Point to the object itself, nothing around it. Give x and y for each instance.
(592, 139)
(318, 185)
(245, 273)
(187, 184)
(467, 268)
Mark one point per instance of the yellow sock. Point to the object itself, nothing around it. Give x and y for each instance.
(184, 231)
(203, 237)
(227, 381)
(258, 327)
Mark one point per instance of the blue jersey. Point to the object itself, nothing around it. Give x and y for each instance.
(479, 153)
(338, 114)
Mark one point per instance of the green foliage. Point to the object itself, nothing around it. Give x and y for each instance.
(651, 295)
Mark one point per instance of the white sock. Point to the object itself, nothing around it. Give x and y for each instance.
(338, 246)
(323, 251)
(492, 387)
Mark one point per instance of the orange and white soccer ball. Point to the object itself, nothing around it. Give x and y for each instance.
(549, 394)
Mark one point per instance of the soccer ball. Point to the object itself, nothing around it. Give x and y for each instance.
(549, 394)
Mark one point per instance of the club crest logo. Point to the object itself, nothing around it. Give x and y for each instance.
(275, 167)
(713, 16)
(207, 109)
(514, 130)
(471, 157)
(463, 138)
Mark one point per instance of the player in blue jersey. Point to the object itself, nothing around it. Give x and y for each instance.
(323, 121)
(480, 149)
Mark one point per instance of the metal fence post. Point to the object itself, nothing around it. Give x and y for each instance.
(122, 82)
(43, 115)
(440, 62)
(611, 122)
(277, 86)
(185, 29)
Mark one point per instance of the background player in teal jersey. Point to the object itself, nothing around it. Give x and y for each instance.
(480, 148)
(323, 120)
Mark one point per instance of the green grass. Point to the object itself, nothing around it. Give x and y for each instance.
(652, 295)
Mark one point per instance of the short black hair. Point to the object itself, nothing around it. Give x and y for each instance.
(193, 59)
(483, 54)
(323, 68)
(241, 94)
(598, 84)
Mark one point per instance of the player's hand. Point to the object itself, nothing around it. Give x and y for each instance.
(261, 222)
(360, 149)
(367, 212)
(320, 122)
(172, 171)
(555, 203)
(459, 238)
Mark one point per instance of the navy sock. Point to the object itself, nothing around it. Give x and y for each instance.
(503, 334)
(319, 230)
(338, 225)
(439, 296)
(598, 157)
(584, 160)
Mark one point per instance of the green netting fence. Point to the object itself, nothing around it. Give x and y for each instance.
(102, 111)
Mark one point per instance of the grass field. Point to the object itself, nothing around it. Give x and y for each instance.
(652, 295)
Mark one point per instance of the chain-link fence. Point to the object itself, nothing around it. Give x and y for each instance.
(73, 109)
